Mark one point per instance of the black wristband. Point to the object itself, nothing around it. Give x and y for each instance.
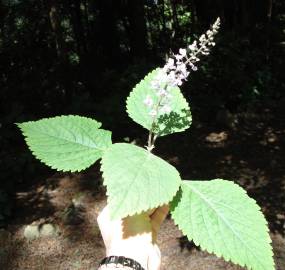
(122, 261)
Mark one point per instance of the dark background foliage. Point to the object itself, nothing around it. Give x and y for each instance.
(84, 56)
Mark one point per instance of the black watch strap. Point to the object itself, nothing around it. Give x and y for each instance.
(121, 260)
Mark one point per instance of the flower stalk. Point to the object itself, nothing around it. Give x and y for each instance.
(174, 73)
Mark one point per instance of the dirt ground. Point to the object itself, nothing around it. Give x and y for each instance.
(79, 246)
(251, 151)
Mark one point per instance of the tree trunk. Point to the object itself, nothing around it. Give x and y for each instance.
(269, 10)
(243, 14)
(78, 29)
(63, 69)
(163, 19)
(106, 38)
(86, 22)
(56, 27)
(3, 13)
(138, 31)
(174, 17)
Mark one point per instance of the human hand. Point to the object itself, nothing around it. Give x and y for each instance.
(134, 236)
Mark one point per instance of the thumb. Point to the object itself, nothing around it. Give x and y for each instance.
(154, 258)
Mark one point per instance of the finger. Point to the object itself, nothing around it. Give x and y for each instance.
(103, 223)
(154, 258)
(103, 215)
(151, 211)
(159, 214)
(157, 218)
(110, 229)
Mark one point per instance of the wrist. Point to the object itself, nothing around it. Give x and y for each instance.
(142, 259)
(138, 252)
(118, 262)
(111, 267)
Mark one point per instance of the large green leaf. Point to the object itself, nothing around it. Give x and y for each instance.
(179, 119)
(67, 143)
(137, 180)
(219, 216)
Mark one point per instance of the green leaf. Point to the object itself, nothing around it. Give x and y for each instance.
(137, 180)
(219, 216)
(178, 120)
(67, 143)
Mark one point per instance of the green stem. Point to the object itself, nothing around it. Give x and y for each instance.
(151, 135)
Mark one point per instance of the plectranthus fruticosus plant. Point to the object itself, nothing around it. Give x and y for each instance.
(217, 215)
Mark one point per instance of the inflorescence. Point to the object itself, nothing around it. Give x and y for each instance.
(176, 71)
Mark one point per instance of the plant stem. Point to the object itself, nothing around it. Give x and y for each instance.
(151, 135)
(149, 143)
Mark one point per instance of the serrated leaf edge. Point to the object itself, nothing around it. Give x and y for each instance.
(113, 217)
(20, 126)
(134, 88)
(59, 116)
(128, 98)
(190, 238)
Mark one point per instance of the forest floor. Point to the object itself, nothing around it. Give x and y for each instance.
(251, 151)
